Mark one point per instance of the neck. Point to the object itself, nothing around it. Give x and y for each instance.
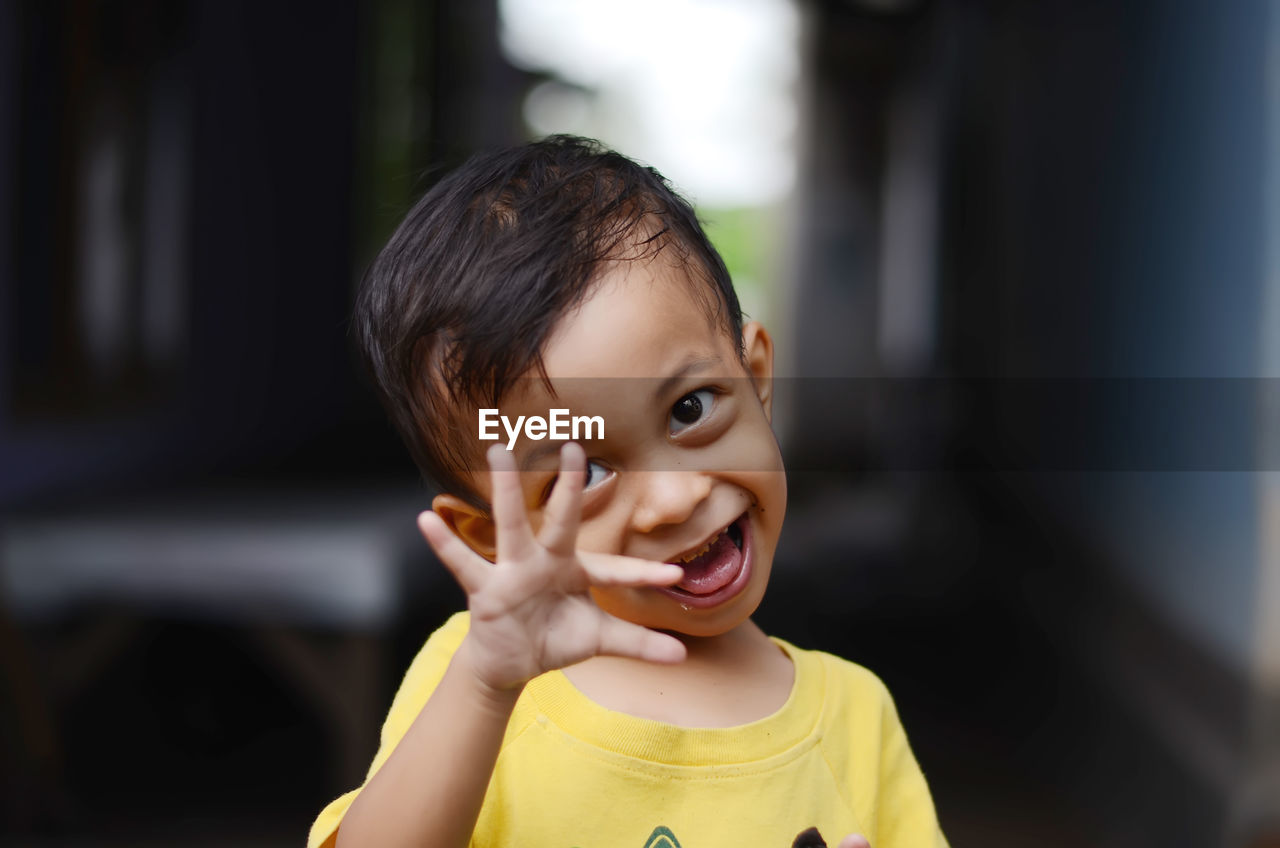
(744, 638)
(733, 678)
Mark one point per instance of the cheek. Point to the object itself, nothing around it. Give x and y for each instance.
(755, 440)
(757, 461)
(770, 491)
(602, 533)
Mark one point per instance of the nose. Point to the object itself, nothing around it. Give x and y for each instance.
(668, 497)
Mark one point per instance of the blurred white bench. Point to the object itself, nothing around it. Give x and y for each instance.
(316, 577)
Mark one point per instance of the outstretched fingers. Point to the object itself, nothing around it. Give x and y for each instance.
(564, 510)
(612, 570)
(467, 567)
(514, 536)
(623, 639)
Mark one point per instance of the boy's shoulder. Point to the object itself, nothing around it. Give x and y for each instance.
(846, 685)
(438, 650)
(450, 634)
(424, 674)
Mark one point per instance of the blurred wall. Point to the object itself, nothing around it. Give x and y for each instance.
(1131, 218)
(1103, 241)
(172, 157)
(1103, 217)
(192, 190)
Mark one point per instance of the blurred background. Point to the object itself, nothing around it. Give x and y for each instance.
(1022, 262)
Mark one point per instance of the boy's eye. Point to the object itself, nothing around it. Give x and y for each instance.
(691, 409)
(596, 474)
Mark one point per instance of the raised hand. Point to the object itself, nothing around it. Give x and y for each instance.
(530, 611)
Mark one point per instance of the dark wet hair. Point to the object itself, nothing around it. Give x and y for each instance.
(461, 300)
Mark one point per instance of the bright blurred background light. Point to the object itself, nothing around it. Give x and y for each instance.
(703, 90)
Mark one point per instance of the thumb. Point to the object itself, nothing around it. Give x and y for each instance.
(854, 840)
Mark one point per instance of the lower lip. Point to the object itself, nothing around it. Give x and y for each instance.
(730, 590)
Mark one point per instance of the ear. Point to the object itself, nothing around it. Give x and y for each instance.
(757, 349)
(470, 523)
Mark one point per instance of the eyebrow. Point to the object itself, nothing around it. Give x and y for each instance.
(693, 365)
(538, 453)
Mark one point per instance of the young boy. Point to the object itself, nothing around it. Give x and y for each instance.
(607, 688)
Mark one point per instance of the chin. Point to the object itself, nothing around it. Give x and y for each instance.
(707, 629)
(700, 623)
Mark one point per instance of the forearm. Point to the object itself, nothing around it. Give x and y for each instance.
(429, 791)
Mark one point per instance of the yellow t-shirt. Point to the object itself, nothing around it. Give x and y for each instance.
(572, 774)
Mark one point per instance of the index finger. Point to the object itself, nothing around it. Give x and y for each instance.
(514, 537)
(616, 570)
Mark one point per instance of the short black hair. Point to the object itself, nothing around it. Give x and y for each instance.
(462, 298)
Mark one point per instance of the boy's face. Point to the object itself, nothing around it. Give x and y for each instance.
(688, 458)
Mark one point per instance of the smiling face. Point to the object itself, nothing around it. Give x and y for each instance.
(689, 470)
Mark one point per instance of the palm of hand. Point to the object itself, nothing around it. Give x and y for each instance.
(531, 611)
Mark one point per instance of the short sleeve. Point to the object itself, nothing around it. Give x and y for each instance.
(906, 817)
(424, 674)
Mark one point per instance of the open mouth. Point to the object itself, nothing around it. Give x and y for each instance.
(718, 570)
